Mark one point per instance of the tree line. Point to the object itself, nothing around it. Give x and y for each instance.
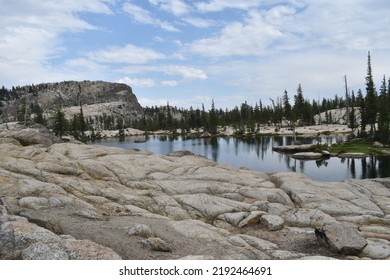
(373, 107)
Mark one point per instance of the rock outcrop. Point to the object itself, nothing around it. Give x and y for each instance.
(36, 135)
(74, 201)
(97, 97)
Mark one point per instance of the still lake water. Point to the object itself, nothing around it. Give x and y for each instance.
(257, 154)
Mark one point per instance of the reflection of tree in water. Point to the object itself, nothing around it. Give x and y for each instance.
(236, 146)
(258, 151)
(384, 167)
(371, 167)
(302, 166)
(290, 162)
(288, 140)
(163, 138)
(353, 169)
(320, 163)
(263, 145)
(259, 145)
(214, 148)
(278, 140)
(364, 168)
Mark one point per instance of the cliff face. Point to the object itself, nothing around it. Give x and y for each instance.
(97, 97)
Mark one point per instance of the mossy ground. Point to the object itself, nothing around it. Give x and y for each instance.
(355, 146)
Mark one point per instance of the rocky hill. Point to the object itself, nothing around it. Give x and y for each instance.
(74, 201)
(98, 98)
(337, 116)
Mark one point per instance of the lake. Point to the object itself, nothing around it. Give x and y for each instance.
(257, 154)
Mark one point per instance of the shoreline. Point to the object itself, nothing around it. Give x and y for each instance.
(228, 131)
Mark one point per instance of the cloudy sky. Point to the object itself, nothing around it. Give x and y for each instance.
(189, 52)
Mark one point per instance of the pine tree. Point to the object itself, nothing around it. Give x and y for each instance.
(384, 117)
(352, 114)
(213, 118)
(363, 112)
(286, 106)
(60, 124)
(169, 118)
(371, 98)
(39, 118)
(299, 104)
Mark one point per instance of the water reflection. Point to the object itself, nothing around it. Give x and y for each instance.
(256, 153)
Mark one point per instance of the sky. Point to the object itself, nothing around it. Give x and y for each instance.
(189, 53)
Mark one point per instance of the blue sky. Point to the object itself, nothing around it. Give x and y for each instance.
(190, 52)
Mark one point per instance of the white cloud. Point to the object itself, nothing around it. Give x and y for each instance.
(84, 63)
(320, 73)
(219, 5)
(198, 22)
(170, 83)
(254, 36)
(141, 83)
(188, 73)
(294, 27)
(129, 54)
(31, 36)
(345, 24)
(176, 7)
(145, 17)
(43, 7)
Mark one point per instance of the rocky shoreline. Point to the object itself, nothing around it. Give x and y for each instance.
(74, 201)
(308, 131)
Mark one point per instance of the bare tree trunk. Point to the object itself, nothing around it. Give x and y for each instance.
(346, 98)
(26, 122)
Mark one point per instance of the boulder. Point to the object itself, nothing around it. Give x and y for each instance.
(141, 230)
(325, 154)
(252, 219)
(377, 144)
(295, 148)
(44, 251)
(272, 222)
(21, 239)
(157, 244)
(32, 136)
(352, 155)
(376, 249)
(307, 156)
(88, 250)
(341, 238)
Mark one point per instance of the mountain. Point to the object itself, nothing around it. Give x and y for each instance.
(99, 99)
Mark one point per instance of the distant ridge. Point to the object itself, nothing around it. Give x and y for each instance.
(98, 99)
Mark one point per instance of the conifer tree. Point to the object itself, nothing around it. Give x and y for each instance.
(60, 124)
(371, 98)
(363, 112)
(384, 114)
(213, 118)
(286, 106)
(299, 104)
(352, 114)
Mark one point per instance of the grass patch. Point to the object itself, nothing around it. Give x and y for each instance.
(361, 146)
